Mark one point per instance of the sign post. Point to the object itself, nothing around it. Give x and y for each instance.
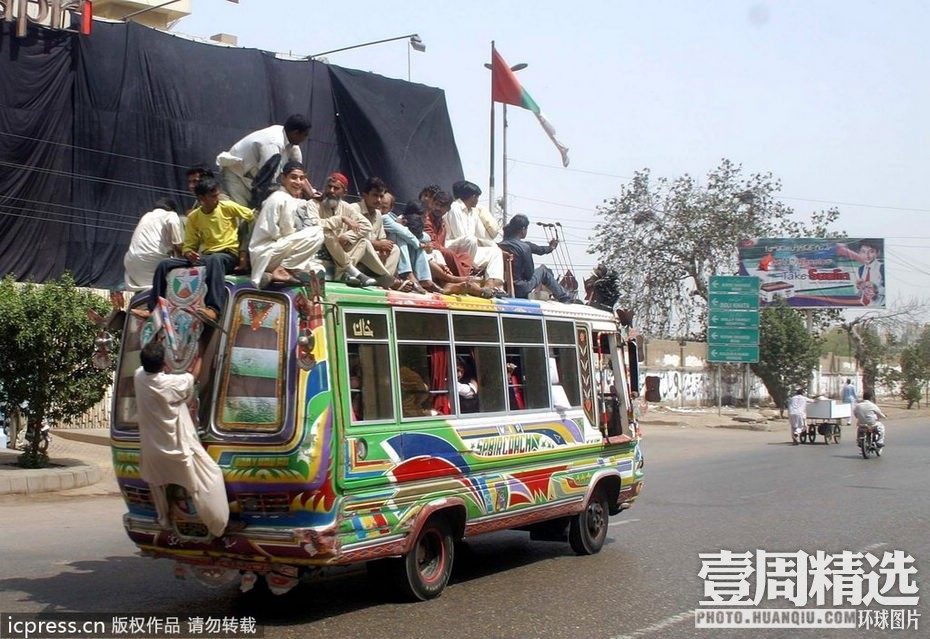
(733, 323)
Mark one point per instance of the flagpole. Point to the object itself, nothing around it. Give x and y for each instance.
(504, 202)
(491, 176)
(504, 171)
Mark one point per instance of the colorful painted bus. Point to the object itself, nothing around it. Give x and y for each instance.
(337, 420)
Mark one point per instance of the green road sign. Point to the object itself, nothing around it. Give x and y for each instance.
(717, 336)
(733, 301)
(736, 354)
(733, 284)
(733, 319)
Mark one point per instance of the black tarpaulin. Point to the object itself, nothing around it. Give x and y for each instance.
(384, 123)
(94, 129)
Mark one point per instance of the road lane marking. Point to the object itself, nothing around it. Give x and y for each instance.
(620, 523)
(662, 625)
(750, 495)
(874, 547)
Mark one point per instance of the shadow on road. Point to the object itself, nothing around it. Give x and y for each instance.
(139, 585)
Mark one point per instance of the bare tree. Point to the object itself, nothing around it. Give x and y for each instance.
(862, 333)
(665, 238)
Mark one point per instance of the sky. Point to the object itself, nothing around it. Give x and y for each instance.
(830, 96)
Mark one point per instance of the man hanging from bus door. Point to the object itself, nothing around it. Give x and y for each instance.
(171, 451)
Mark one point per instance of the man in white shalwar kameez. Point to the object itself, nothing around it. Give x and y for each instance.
(171, 450)
(158, 236)
(240, 165)
(278, 250)
(462, 233)
(797, 414)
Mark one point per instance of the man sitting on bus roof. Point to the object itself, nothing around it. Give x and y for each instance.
(210, 238)
(345, 235)
(281, 253)
(527, 277)
(369, 207)
(462, 235)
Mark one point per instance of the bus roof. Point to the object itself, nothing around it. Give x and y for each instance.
(341, 294)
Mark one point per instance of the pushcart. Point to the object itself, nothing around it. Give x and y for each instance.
(825, 417)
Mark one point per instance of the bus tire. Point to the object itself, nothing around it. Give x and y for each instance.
(425, 570)
(588, 529)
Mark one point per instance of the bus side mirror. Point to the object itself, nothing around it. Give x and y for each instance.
(633, 352)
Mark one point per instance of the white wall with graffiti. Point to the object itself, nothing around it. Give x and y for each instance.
(677, 374)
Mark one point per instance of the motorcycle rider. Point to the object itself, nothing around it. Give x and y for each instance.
(868, 414)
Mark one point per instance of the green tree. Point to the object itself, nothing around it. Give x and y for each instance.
(788, 353)
(665, 238)
(47, 342)
(915, 369)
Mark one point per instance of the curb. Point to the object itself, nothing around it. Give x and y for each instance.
(45, 480)
(29, 481)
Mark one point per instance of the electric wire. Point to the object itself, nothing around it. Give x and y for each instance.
(70, 222)
(133, 218)
(780, 197)
(85, 148)
(89, 178)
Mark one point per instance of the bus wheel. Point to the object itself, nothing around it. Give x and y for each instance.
(588, 529)
(426, 569)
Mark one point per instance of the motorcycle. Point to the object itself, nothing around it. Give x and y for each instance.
(45, 437)
(867, 438)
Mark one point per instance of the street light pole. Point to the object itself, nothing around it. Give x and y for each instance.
(414, 40)
(515, 68)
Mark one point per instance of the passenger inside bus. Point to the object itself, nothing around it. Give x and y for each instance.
(467, 386)
(355, 387)
(415, 395)
(559, 397)
(515, 387)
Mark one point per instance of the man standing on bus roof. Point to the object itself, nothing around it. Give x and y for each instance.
(278, 250)
(240, 165)
(526, 277)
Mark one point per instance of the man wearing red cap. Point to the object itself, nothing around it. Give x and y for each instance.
(345, 235)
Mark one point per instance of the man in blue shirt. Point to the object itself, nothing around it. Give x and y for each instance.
(849, 397)
(526, 276)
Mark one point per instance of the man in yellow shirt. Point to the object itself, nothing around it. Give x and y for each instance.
(211, 239)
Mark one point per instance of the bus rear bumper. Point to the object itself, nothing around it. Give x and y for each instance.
(253, 548)
(628, 495)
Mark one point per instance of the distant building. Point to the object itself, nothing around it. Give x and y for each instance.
(62, 14)
(160, 18)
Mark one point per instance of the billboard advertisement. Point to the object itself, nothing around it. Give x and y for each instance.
(839, 272)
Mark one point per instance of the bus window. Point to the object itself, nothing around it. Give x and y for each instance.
(126, 417)
(483, 365)
(481, 362)
(523, 330)
(526, 356)
(563, 360)
(370, 385)
(424, 363)
(252, 390)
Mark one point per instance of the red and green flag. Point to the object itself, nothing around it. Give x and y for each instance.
(507, 89)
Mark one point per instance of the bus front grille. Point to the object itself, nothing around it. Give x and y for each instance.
(264, 503)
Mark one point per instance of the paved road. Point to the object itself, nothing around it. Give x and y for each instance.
(706, 490)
